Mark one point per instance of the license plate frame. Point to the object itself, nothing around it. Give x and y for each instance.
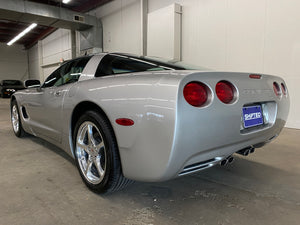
(252, 116)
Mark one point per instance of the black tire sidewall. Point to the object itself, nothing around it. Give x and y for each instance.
(112, 164)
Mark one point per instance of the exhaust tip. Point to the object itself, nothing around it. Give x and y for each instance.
(246, 151)
(223, 162)
(230, 159)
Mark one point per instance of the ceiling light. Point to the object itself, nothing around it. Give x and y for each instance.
(22, 33)
(66, 1)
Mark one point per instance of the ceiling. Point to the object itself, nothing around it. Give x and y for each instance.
(9, 29)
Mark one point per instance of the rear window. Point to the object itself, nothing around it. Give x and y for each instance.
(118, 64)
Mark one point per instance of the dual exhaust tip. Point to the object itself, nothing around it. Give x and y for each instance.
(226, 161)
(244, 152)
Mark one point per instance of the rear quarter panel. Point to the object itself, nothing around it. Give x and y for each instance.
(150, 101)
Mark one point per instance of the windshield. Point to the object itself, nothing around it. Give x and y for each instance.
(12, 82)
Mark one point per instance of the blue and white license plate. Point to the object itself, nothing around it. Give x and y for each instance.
(252, 116)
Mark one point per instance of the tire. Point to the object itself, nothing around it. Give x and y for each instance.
(16, 120)
(97, 155)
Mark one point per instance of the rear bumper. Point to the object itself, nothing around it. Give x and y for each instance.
(210, 157)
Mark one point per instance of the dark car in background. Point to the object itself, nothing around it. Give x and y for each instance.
(8, 87)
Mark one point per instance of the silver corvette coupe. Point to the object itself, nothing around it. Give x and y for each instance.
(124, 117)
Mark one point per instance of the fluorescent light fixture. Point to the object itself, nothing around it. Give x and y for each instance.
(22, 34)
(66, 1)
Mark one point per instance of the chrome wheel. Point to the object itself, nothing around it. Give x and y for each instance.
(91, 152)
(15, 118)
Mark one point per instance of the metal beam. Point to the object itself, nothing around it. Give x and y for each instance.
(51, 16)
(144, 19)
(90, 4)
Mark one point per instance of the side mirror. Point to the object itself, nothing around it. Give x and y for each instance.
(32, 83)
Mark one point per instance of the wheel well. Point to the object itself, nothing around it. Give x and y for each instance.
(13, 98)
(79, 110)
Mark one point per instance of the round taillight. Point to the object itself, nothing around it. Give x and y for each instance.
(276, 89)
(225, 91)
(195, 93)
(283, 88)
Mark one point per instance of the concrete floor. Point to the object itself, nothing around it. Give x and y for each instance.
(39, 184)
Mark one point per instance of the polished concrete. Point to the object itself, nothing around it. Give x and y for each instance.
(39, 184)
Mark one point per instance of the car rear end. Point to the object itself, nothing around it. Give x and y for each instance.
(221, 113)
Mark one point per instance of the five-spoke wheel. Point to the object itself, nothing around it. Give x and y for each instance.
(91, 152)
(97, 155)
(16, 120)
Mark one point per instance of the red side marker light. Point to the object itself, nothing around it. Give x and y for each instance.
(255, 76)
(124, 122)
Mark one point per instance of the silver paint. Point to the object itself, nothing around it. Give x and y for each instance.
(168, 134)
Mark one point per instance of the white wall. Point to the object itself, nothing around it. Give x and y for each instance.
(33, 63)
(121, 21)
(13, 62)
(164, 32)
(45, 56)
(55, 47)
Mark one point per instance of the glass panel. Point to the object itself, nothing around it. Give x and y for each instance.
(67, 73)
(118, 64)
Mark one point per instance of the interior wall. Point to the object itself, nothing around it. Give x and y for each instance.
(13, 62)
(33, 63)
(55, 48)
(121, 21)
(46, 56)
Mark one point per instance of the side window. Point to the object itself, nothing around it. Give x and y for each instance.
(55, 78)
(76, 68)
(67, 73)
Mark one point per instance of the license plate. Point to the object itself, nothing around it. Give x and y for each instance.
(252, 116)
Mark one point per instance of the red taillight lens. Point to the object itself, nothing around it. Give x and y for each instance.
(283, 88)
(195, 93)
(276, 89)
(225, 91)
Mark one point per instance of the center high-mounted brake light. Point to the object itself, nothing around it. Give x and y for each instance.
(255, 76)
